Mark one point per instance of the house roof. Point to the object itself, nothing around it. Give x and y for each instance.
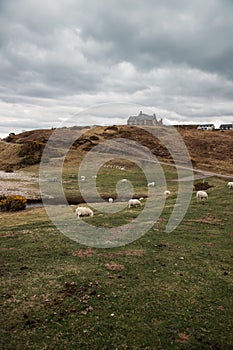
(142, 116)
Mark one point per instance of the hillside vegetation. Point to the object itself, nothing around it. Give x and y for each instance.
(157, 291)
(209, 150)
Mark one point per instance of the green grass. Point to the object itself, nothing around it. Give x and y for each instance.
(163, 291)
(108, 178)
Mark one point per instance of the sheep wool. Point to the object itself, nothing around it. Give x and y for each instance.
(134, 203)
(166, 193)
(83, 211)
(201, 195)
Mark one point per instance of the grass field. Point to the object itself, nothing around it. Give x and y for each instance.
(163, 291)
(107, 180)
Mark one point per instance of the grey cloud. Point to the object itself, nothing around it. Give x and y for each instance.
(176, 56)
(159, 33)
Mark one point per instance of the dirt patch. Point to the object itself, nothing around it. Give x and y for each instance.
(124, 253)
(83, 253)
(114, 266)
(8, 235)
(209, 220)
(89, 252)
(183, 338)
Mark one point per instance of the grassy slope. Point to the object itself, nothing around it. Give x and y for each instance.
(8, 154)
(208, 149)
(163, 291)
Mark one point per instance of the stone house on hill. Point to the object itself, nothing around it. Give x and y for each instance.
(144, 119)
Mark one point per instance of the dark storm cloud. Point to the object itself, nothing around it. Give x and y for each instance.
(65, 55)
(151, 33)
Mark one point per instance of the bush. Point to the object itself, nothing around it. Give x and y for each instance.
(94, 138)
(31, 151)
(112, 128)
(9, 169)
(202, 186)
(10, 137)
(12, 203)
(30, 160)
(194, 162)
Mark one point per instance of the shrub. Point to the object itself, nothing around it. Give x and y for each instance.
(12, 203)
(30, 160)
(194, 162)
(9, 169)
(113, 128)
(31, 148)
(94, 138)
(202, 186)
(10, 137)
(31, 151)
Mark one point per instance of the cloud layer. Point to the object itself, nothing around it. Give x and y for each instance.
(59, 57)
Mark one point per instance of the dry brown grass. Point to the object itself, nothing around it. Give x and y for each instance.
(209, 150)
(11, 219)
(8, 154)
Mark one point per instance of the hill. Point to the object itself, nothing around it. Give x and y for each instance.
(209, 150)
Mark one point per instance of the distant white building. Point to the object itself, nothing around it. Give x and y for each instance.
(206, 127)
(226, 126)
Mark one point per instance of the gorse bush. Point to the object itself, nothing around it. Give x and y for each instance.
(12, 203)
(202, 186)
(31, 147)
(31, 151)
(30, 160)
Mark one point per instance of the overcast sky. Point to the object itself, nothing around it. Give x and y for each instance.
(59, 57)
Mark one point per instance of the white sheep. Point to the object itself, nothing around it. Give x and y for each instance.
(201, 195)
(83, 211)
(151, 184)
(83, 178)
(167, 193)
(141, 199)
(230, 184)
(110, 200)
(134, 203)
(124, 180)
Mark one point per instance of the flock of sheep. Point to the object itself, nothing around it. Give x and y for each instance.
(85, 211)
(202, 195)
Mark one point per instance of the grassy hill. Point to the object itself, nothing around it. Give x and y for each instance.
(161, 291)
(209, 150)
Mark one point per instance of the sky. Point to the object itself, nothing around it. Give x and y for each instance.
(59, 58)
